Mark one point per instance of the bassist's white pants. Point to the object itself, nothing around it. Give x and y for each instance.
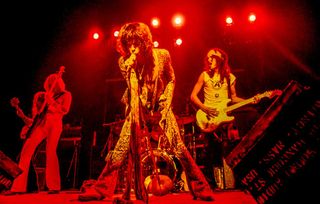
(50, 129)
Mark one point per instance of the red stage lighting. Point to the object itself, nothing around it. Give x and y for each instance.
(229, 20)
(252, 18)
(95, 35)
(156, 44)
(178, 20)
(116, 33)
(155, 22)
(178, 41)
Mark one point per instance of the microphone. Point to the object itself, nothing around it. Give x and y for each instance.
(131, 60)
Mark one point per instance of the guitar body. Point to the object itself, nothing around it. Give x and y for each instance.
(38, 119)
(209, 124)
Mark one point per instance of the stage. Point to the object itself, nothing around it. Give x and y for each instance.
(64, 197)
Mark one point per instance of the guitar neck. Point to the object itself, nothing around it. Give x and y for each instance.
(44, 104)
(21, 115)
(51, 88)
(240, 104)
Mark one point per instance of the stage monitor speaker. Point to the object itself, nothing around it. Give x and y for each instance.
(8, 171)
(277, 161)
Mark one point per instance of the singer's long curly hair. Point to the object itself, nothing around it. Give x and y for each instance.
(222, 59)
(135, 33)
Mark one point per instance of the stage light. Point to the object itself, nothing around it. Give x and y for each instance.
(178, 41)
(155, 22)
(229, 20)
(95, 36)
(252, 18)
(116, 33)
(177, 21)
(156, 44)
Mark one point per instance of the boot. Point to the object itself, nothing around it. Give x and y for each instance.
(90, 194)
(201, 191)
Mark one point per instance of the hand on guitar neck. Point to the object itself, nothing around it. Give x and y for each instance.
(28, 121)
(210, 122)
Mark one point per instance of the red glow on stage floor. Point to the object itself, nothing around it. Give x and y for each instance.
(64, 197)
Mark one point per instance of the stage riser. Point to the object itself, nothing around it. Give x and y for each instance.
(278, 159)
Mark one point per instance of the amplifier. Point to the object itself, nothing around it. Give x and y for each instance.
(8, 171)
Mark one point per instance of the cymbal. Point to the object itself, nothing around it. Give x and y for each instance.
(185, 120)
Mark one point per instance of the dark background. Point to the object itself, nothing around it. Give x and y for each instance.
(39, 36)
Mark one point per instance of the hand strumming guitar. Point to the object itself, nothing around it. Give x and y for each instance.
(211, 112)
(52, 103)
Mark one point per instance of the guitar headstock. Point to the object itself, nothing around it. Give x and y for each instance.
(272, 93)
(14, 102)
(61, 70)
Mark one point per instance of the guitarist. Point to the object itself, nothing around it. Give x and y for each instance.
(218, 84)
(56, 101)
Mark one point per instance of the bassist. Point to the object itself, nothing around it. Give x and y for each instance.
(56, 101)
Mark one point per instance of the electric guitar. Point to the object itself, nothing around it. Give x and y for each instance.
(209, 123)
(27, 121)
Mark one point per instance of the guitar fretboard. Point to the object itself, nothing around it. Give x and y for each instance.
(240, 104)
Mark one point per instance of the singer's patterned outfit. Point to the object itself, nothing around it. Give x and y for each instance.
(145, 93)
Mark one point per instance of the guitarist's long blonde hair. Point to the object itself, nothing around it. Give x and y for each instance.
(59, 85)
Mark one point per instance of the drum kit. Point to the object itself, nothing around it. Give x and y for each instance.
(160, 163)
(161, 169)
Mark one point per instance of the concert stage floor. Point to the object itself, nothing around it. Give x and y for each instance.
(66, 197)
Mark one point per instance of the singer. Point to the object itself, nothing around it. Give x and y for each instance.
(150, 79)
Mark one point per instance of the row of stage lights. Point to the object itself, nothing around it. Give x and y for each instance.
(178, 21)
(251, 19)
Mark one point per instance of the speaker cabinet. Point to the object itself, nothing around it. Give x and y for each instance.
(8, 171)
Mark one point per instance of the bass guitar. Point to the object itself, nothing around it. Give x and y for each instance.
(209, 123)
